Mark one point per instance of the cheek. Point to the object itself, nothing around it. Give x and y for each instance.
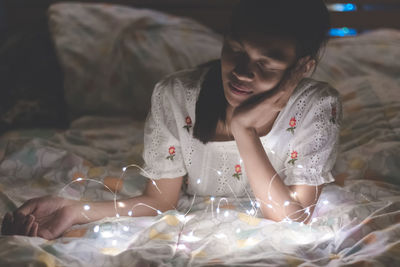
(268, 81)
(227, 63)
(226, 68)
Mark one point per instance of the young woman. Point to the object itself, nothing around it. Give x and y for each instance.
(249, 122)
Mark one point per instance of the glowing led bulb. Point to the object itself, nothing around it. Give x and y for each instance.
(212, 198)
(241, 161)
(106, 234)
(238, 230)
(181, 247)
(273, 152)
(258, 204)
(159, 212)
(198, 181)
(96, 229)
(217, 210)
(121, 204)
(86, 207)
(314, 219)
(126, 228)
(226, 213)
(294, 194)
(326, 202)
(252, 212)
(269, 206)
(154, 183)
(300, 166)
(220, 236)
(286, 203)
(219, 173)
(124, 169)
(130, 213)
(79, 179)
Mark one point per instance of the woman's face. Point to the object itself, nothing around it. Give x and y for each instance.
(252, 65)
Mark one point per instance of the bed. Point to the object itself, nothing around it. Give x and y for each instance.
(110, 56)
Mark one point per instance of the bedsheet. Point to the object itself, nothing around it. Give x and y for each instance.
(356, 221)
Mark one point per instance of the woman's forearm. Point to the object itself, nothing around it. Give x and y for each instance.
(142, 205)
(260, 172)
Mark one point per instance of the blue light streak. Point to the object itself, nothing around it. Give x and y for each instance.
(342, 32)
(347, 7)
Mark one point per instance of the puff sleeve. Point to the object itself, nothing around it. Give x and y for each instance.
(313, 149)
(162, 152)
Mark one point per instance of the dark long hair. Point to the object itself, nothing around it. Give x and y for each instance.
(211, 103)
(305, 22)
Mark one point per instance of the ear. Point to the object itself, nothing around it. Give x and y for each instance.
(307, 65)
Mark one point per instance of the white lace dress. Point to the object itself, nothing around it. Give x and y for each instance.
(302, 145)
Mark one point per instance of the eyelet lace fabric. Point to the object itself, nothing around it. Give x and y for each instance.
(302, 144)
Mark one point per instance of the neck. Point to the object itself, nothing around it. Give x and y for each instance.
(229, 114)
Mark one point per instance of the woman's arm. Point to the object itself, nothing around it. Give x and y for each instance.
(146, 204)
(50, 216)
(260, 172)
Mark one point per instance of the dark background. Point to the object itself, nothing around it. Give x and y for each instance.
(31, 80)
(31, 83)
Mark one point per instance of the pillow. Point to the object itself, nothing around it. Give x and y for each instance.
(364, 69)
(374, 52)
(370, 133)
(112, 56)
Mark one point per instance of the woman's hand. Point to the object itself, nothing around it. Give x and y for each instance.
(261, 110)
(47, 217)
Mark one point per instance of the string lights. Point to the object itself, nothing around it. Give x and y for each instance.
(106, 231)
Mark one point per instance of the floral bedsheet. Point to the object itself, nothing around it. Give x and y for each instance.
(358, 221)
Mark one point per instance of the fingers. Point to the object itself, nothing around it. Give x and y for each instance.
(6, 226)
(9, 217)
(28, 207)
(28, 225)
(19, 224)
(45, 234)
(34, 230)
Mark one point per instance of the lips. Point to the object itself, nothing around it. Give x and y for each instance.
(239, 89)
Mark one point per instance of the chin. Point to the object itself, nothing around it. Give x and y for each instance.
(232, 101)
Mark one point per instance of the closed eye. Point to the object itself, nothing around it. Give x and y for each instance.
(234, 48)
(266, 67)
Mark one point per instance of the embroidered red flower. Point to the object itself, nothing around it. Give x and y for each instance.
(333, 114)
(171, 152)
(188, 125)
(292, 124)
(238, 172)
(293, 157)
(238, 169)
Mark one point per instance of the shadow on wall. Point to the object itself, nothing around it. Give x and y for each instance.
(31, 80)
(3, 24)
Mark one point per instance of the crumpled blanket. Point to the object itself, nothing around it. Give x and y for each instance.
(355, 223)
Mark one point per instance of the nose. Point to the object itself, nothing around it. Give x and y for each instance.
(243, 70)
